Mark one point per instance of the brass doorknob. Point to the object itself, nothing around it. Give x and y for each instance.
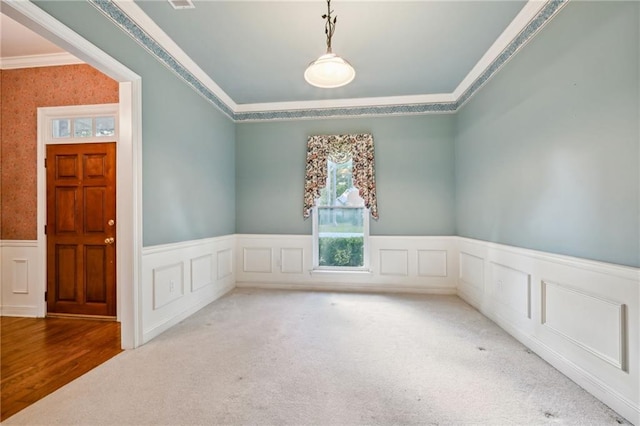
(109, 240)
(111, 222)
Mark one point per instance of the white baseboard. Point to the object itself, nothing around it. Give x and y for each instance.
(346, 287)
(19, 311)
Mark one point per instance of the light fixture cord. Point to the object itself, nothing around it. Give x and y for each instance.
(330, 26)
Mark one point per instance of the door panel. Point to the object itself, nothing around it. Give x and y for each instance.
(94, 210)
(66, 199)
(95, 166)
(95, 260)
(67, 166)
(81, 207)
(66, 268)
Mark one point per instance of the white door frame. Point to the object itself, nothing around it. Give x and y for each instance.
(45, 137)
(129, 158)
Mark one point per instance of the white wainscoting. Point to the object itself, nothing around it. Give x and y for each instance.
(398, 264)
(20, 292)
(581, 316)
(179, 279)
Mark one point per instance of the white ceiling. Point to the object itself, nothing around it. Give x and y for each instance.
(17, 40)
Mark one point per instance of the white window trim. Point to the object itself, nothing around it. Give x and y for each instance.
(80, 111)
(316, 246)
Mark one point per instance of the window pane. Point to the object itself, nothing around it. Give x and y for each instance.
(341, 236)
(339, 185)
(61, 128)
(83, 127)
(105, 126)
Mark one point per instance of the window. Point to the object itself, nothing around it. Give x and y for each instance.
(341, 221)
(105, 126)
(61, 128)
(340, 193)
(83, 127)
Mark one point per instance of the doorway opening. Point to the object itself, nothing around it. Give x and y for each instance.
(129, 172)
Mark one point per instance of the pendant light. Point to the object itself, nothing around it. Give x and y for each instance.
(329, 70)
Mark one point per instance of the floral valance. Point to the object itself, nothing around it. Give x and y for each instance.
(340, 149)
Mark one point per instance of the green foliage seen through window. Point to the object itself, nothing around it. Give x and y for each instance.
(341, 251)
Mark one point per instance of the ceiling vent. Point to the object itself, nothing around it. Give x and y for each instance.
(182, 4)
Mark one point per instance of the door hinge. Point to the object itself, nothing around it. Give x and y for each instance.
(45, 230)
(45, 163)
(45, 295)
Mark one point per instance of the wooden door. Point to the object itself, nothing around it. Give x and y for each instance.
(81, 213)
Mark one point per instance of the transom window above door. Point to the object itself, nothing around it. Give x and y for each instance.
(91, 123)
(83, 127)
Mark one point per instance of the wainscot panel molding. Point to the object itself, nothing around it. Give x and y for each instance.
(398, 264)
(581, 316)
(180, 279)
(19, 289)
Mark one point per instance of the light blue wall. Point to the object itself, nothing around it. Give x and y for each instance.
(545, 156)
(414, 172)
(187, 147)
(547, 153)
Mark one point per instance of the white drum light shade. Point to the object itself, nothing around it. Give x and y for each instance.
(329, 71)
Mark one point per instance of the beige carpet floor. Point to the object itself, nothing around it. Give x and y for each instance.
(258, 357)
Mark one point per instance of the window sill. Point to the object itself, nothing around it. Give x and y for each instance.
(341, 271)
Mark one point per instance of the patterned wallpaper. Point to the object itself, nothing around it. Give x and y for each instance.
(22, 91)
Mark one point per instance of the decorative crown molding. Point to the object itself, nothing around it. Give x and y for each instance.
(533, 26)
(34, 61)
(133, 21)
(116, 14)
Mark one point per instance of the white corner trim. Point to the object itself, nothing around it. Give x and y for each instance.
(144, 21)
(347, 103)
(34, 61)
(528, 12)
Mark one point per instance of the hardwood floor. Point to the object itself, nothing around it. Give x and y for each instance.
(40, 355)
